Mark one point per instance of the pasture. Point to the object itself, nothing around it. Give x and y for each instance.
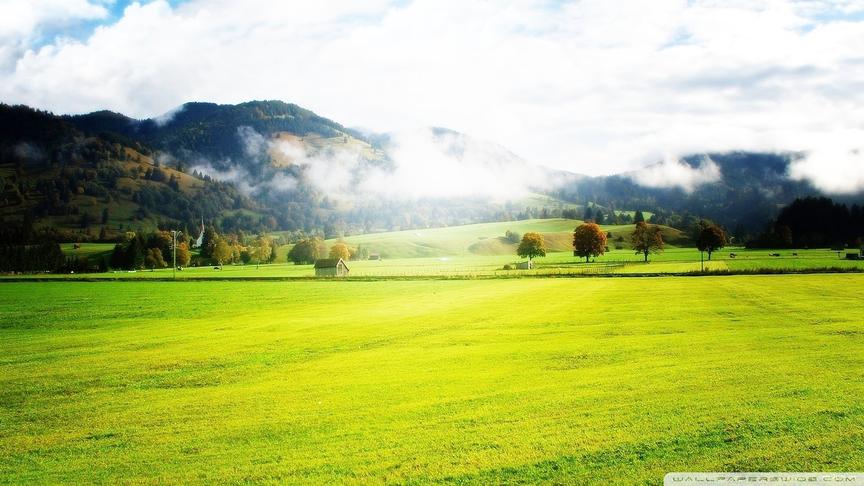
(480, 250)
(486, 239)
(672, 260)
(475, 381)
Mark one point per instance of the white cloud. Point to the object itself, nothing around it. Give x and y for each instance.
(169, 115)
(22, 22)
(836, 169)
(422, 163)
(253, 142)
(590, 86)
(673, 172)
(452, 165)
(26, 150)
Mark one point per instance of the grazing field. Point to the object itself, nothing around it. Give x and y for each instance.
(476, 381)
(486, 239)
(480, 250)
(87, 250)
(673, 260)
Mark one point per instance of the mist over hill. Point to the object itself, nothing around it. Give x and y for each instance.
(269, 165)
(741, 190)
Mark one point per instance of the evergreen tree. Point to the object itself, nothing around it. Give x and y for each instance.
(274, 247)
(118, 257)
(599, 218)
(135, 253)
(211, 237)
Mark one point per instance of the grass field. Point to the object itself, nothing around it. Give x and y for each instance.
(88, 250)
(673, 260)
(475, 381)
(480, 250)
(485, 239)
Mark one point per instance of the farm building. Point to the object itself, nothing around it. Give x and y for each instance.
(525, 265)
(331, 267)
(374, 256)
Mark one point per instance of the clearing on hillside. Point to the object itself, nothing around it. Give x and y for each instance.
(486, 238)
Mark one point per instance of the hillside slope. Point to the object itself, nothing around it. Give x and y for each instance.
(222, 133)
(257, 166)
(314, 174)
(487, 238)
(283, 167)
(55, 177)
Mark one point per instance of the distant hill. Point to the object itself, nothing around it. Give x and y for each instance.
(750, 191)
(211, 130)
(83, 185)
(275, 166)
(283, 157)
(255, 166)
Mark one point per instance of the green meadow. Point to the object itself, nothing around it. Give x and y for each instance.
(485, 239)
(672, 260)
(569, 381)
(481, 250)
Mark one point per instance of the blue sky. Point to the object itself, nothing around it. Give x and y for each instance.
(81, 29)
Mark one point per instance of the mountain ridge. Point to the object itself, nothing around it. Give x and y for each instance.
(280, 166)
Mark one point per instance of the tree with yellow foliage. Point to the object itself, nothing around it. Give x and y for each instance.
(532, 245)
(340, 250)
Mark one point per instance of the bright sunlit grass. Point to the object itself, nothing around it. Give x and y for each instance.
(568, 381)
(672, 260)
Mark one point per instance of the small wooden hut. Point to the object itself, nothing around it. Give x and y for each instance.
(331, 267)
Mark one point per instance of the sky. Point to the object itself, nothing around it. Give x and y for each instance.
(591, 86)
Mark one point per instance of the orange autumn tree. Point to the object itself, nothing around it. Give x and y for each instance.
(589, 241)
(184, 256)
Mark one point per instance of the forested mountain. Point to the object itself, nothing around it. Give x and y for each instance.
(77, 186)
(305, 170)
(268, 165)
(211, 130)
(749, 191)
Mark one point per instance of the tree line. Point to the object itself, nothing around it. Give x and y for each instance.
(149, 251)
(590, 241)
(44, 257)
(814, 223)
(307, 250)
